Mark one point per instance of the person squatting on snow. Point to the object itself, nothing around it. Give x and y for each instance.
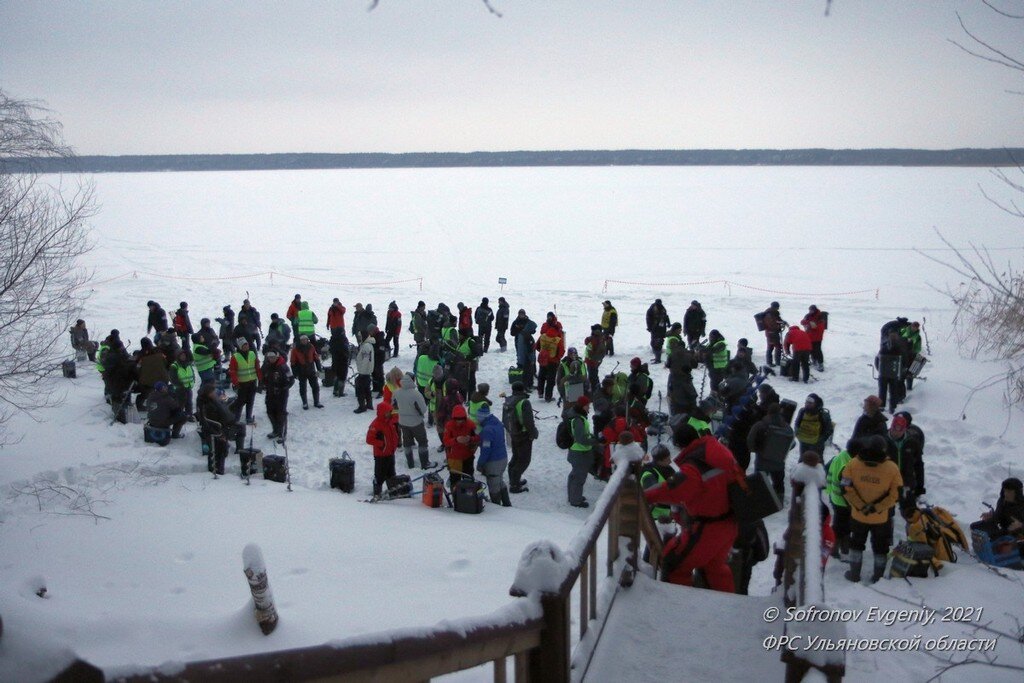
(277, 380)
(1007, 518)
(383, 436)
(493, 457)
(871, 486)
(412, 416)
(706, 468)
(798, 344)
(522, 430)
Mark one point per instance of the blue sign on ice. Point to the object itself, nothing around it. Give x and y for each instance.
(502, 281)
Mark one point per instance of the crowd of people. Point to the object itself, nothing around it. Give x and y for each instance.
(734, 421)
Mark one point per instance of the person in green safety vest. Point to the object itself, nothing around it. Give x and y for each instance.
(841, 508)
(654, 473)
(245, 374)
(582, 453)
(717, 358)
(205, 358)
(912, 333)
(183, 378)
(477, 399)
(305, 321)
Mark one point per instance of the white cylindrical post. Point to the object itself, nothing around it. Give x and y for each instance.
(263, 600)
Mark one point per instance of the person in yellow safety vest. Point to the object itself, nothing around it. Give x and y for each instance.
(245, 374)
(609, 321)
(717, 358)
(581, 453)
(305, 321)
(205, 359)
(183, 378)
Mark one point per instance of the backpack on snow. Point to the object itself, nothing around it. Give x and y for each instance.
(563, 435)
(936, 527)
(912, 560)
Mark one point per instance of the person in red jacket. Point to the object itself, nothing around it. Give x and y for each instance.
(611, 435)
(305, 362)
(706, 468)
(550, 349)
(460, 441)
(292, 314)
(383, 436)
(245, 373)
(815, 322)
(798, 344)
(335, 315)
(465, 318)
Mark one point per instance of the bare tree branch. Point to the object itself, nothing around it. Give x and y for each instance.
(1000, 11)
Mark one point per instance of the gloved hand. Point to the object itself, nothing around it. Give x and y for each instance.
(868, 509)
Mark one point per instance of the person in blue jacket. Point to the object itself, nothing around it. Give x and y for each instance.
(493, 458)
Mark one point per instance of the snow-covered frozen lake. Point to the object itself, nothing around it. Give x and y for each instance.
(159, 577)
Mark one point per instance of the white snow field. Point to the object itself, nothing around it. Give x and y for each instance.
(140, 549)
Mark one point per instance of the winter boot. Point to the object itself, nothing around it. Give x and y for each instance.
(856, 559)
(408, 458)
(505, 500)
(880, 561)
(425, 463)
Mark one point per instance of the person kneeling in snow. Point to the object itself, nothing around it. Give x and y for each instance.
(706, 468)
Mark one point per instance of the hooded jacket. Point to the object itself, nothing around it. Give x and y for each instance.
(459, 425)
(706, 468)
(382, 434)
(412, 408)
(796, 340)
(492, 439)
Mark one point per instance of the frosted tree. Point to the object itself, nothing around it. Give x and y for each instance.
(43, 232)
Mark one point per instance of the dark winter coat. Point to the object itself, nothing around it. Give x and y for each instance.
(770, 439)
(694, 322)
(484, 316)
(868, 425)
(277, 380)
(501, 319)
(657, 320)
(906, 453)
(163, 410)
(152, 367)
(157, 320)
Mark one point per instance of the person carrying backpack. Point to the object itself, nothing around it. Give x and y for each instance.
(871, 485)
(706, 469)
(517, 416)
(912, 335)
(773, 326)
(770, 440)
(183, 325)
(393, 328)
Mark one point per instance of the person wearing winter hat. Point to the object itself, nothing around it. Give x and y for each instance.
(815, 323)
(773, 326)
(582, 453)
(276, 382)
(245, 373)
(813, 425)
(477, 400)
(227, 330)
(871, 485)
(571, 378)
(157, 320)
(183, 325)
(306, 364)
(706, 469)
(165, 411)
(595, 349)
(412, 411)
(392, 328)
(493, 457)
(657, 325)
(336, 315)
(904, 449)
(294, 306)
(609, 321)
(460, 441)
(1007, 518)
(872, 421)
(695, 322)
(522, 432)
(383, 436)
(484, 318)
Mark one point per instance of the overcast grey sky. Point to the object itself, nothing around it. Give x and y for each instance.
(446, 75)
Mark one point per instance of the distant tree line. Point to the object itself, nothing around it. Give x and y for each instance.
(1004, 157)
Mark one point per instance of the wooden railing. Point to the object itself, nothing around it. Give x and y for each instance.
(535, 630)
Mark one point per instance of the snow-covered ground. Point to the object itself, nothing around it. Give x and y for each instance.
(141, 552)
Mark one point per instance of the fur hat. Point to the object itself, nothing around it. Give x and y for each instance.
(241, 341)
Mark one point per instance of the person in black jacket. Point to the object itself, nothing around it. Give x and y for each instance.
(164, 411)
(227, 331)
(694, 323)
(890, 379)
(157, 320)
(340, 356)
(657, 325)
(484, 318)
(609, 321)
(277, 380)
(904, 449)
(218, 425)
(522, 431)
(1008, 516)
(872, 420)
(251, 324)
(381, 352)
(501, 323)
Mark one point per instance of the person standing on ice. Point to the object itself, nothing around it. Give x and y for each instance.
(798, 343)
(501, 323)
(813, 425)
(227, 330)
(340, 352)
(249, 319)
(595, 349)
(183, 377)
(773, 326)
(706, 468)
(892, 388)
(465, 318)
(550, 349)
(583, 452)
(814, 323)
(493, 457)
(292, 314)
(460, 441)
(393, 327)
(872, 421)
(609, 321)
(657, 325)
(695, 322)
(183, 325)
(522, 433)
(412, 417)
(871, 485)
(157, 320)
(383, 436)
(245, 373)
(484, 317)
(336, 316)
(364, 372)
(277, 380)
(418, 327)
(278, 335)
(305, 362)
(522, 332)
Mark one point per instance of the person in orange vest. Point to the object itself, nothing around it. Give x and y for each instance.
(798, 343)
(706, 468)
